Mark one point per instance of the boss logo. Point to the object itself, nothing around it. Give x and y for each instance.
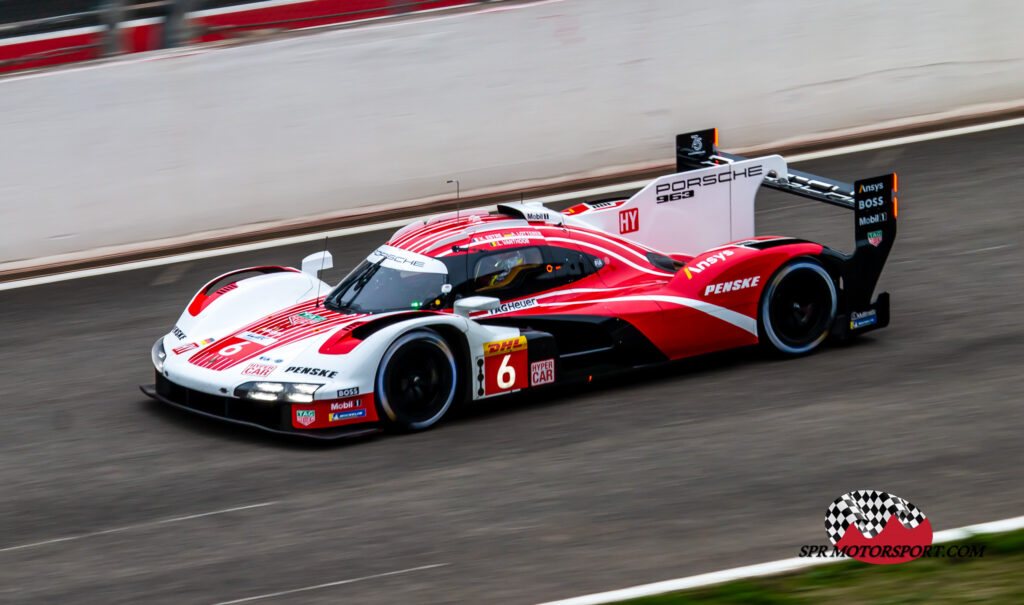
(871, 202)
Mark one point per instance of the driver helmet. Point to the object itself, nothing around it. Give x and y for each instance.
(503, 265)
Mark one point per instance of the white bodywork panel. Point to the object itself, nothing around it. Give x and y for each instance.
(534, 212)
(689, 212)
(264, 295)
(317, 262)
(254, 297)
(356, 369)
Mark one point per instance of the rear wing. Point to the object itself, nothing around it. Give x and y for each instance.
(709, 202)
(872, 200)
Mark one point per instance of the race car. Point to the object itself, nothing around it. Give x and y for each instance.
(474, 305)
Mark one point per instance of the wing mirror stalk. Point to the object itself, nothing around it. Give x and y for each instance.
(464, 306)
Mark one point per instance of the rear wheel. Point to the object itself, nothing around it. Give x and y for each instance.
(798, 307)
(416, 381)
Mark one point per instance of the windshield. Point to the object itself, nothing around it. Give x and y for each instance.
(377, 286)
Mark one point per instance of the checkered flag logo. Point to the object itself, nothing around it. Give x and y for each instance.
(870, 511)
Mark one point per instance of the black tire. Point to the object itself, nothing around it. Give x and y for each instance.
(798, 307)
(417, 381)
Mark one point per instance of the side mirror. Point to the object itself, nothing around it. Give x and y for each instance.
(464, 306)
(312, 264)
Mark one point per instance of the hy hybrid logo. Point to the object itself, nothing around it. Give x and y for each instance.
(629, 220)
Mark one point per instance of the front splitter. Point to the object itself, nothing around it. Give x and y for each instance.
(322, 434)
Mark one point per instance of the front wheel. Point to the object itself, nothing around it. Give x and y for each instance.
(798, 307)
(417, 380)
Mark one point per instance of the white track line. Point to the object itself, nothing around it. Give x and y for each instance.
(136, 526)
(284, 241)
(271, 595)
(766, 569)
(201, 254)
(913, 138)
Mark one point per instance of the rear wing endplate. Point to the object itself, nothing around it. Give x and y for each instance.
(873, 201)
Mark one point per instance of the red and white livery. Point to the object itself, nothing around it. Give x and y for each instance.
(472, 305)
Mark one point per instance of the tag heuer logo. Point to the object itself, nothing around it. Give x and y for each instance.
(305, 318)
(697, 143)
(875, 238)
(305, 417)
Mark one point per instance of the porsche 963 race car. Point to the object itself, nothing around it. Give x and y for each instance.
(473, 305)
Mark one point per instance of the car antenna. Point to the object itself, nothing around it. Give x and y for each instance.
(458, 197)
(323, 259)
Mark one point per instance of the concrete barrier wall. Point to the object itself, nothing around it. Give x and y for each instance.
(146, 149)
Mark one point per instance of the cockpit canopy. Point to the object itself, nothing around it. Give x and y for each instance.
(393, 279)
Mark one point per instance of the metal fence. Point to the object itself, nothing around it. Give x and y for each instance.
(26, 17)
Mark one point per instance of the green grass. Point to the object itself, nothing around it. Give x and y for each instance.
(997, 577)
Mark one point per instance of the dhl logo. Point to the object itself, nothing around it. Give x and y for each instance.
(501, 347)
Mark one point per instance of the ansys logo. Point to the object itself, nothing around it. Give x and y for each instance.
(876, 527)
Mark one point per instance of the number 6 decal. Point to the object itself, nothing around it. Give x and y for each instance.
(230, 350)
(505, 365)
(506, 373)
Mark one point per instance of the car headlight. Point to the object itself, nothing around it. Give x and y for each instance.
(159, 355)
(293, 392)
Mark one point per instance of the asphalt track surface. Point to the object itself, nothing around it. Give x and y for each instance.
(708, 464)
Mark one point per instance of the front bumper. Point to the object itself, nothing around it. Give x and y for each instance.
(275, 418)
